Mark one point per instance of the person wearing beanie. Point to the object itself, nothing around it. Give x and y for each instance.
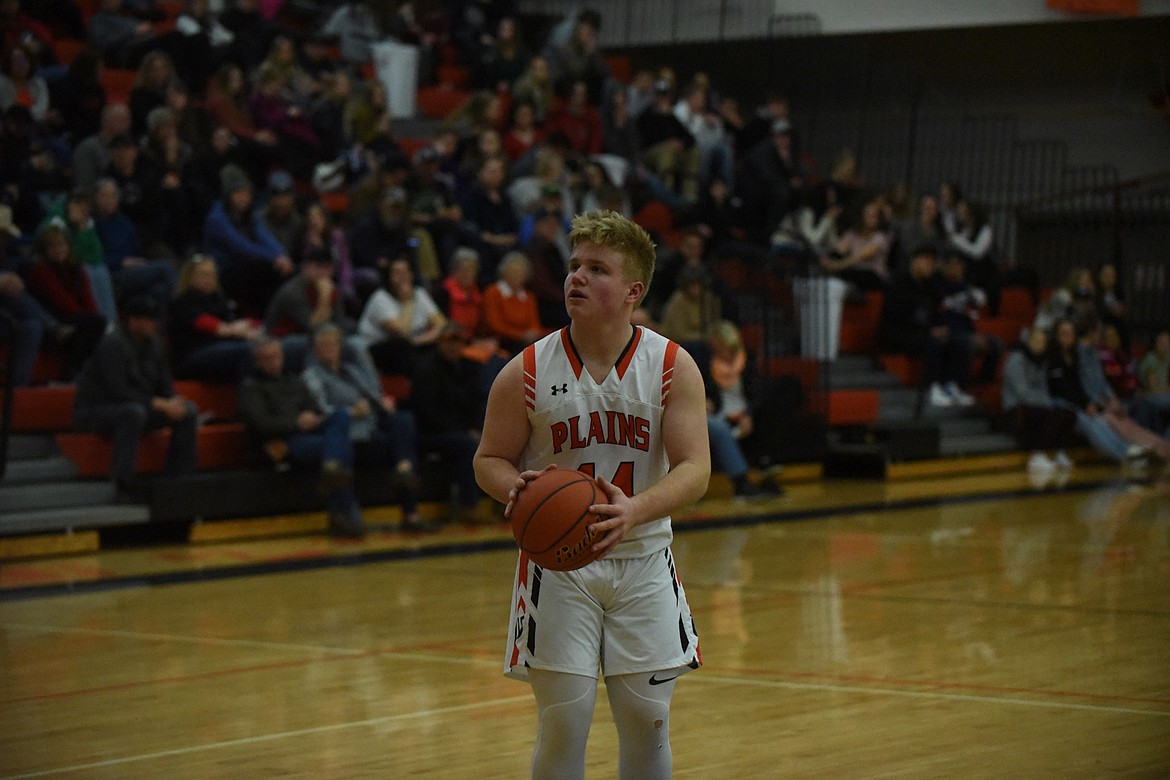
(252, 263)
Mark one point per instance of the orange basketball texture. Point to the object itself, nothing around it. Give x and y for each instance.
(551, 518)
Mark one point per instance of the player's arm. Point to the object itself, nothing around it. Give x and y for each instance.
(505, 432)
(684, 435)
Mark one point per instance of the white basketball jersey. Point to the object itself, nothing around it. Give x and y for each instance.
(612, 429)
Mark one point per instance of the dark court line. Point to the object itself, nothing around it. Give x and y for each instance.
(359, 558)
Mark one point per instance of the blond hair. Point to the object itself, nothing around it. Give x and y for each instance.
(613, 231)
(188, 270)
(725, 334)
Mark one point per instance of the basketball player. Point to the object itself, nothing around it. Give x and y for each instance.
(626, 405)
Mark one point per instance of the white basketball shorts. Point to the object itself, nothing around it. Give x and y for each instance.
(621, 616)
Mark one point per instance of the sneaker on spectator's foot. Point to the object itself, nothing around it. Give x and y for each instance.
(1062, 460)
(939, 397)
(958, 396)
(1040, 463)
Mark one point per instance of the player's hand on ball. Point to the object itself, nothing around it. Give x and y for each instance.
(617, 517)
(523, 479)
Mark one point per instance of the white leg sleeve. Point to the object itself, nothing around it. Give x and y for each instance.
(564, 711)
(641, 711)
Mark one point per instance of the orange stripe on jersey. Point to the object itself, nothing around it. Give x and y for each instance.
(629, 356)
(530, 376)
(571, 353)
(668, 368)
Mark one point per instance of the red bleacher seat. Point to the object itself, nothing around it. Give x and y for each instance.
(453, 76)
(853, 407)
(620, 67)
(658, 220)
(1017, 303)
(43, 408)
(438, 102)
(219, 446)
(397, 387)
(218, 398)
(336, 203)
(118, 82)
(65, 49)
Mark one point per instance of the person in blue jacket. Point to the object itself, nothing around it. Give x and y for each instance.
(252, 263)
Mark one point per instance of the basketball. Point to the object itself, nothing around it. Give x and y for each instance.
(551, 519)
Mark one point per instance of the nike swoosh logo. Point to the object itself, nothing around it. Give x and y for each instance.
(655, 681)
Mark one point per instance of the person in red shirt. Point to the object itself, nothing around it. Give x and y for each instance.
(462, 299)
(509, 308)
(58, 280)
(578, 120)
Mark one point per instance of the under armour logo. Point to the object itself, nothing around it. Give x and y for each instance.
(564, 388)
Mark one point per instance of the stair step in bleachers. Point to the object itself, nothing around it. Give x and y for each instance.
(57, 468)
(26, 447)
(49, 495)
(438, 102)
(220, 446)
(977, 444)
(56, 519)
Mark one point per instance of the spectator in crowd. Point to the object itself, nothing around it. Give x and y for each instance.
(434, 206)
(280, 213)
(380, 236)
(327, 113)
(356, 29)
(298, 87)
(459, 295)
(367, 117)
(80, 99)
(692, 309)
(204, 44)
(321, 234)
(125, 390)
(619, 131)
(308, 300)
(208, 338)
(23, 321)
(132, 273)
(449, 408)
(972, 236)
(381, 433)
(140, 185)
(909, 325)
(399, 320)
(668, 148)
(284, 418)
(925, 228)
(863, 252)
(729, 408)
(122, 38)
(227, 105)
(535, 87)
(547, 186)
(167, 157)
(505, 60)
(73, 216)
(706, 126)
(691, 253)
(1075, 300)
(1110, 302)
(488, 207)
(299, 147)
(510, 311)
(960, 304)
(223, 149)
(578, 57)
(252, 264)
(1040, 423)
(1075, 377)
(156, 74)
(59, 282)
(1154, 376)
(21, 84)
(770, 177)
(522, 133)
(578, 120)
(252, 34)
(548, 254)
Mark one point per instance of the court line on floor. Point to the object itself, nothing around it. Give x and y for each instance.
(260, 738)
(878, 691)
(359, 557)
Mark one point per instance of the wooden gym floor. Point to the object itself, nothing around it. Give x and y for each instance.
(939, 625)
